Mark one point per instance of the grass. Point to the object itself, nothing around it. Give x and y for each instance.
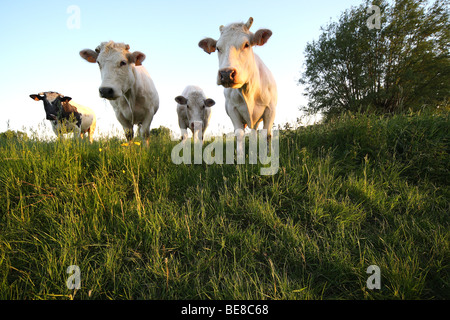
(360, 191)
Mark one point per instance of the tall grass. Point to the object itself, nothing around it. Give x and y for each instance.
(361, 191)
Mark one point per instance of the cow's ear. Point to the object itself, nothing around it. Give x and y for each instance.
(181, 100)
(35, 97)
(209, 102)
(89, 55)
(208, 45)
(261, 36)
(136, 57)
(65, 99)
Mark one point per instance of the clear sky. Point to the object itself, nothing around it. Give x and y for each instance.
(40, 52)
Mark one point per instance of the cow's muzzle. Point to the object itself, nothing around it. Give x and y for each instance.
(227, 77)
(107, 93)
(196, 126)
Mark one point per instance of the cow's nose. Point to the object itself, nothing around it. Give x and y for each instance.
(197, 125)
(227, 75)
(106, 92)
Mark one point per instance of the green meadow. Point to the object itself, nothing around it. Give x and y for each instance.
(358, 191)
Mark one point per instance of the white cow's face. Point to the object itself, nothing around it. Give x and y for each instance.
(116, 67)
(235, 52)
(196, 106)
(235, 58)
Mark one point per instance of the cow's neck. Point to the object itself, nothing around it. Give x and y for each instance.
(129, 96)
(251, 89)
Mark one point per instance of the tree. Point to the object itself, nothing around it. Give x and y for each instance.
(402, 65)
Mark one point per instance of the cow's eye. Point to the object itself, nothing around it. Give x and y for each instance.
(188, 106)
(123, 63)
(247, 45)
(218, 50)
(99, 64)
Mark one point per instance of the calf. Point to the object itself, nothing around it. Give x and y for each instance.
(66, 115)
(194, 112)
(127, 84)
(250, 88)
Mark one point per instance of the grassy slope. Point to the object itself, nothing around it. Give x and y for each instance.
(358, 192)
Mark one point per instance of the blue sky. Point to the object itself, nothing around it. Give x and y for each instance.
(40, 52)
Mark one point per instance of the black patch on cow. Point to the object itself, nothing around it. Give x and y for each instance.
(51, 110)
(66, 111)
(61, 111)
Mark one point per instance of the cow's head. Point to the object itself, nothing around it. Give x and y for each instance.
(234, 48)
(115, 62)
(195, 104)
(53, 103)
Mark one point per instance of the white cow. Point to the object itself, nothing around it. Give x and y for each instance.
(194, 112)
(127, 84)
(66, 115)
(250, 88)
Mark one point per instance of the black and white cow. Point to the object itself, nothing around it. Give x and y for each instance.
(66, 115)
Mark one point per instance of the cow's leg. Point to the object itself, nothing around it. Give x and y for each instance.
(269, 118)
(58, 129)
(183, 129)
(144, 133)
(197, 131)
(77, 133)
(255, 126)
(140, 131)
(239, 127)
(91, 133)
(127, 125)
(203, 133)
(144, 130)
(127, 128)
(55, 128)
(129, 133)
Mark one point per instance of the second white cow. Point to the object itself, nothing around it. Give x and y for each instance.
(194, 112)
(127, 84)
(250, 88)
